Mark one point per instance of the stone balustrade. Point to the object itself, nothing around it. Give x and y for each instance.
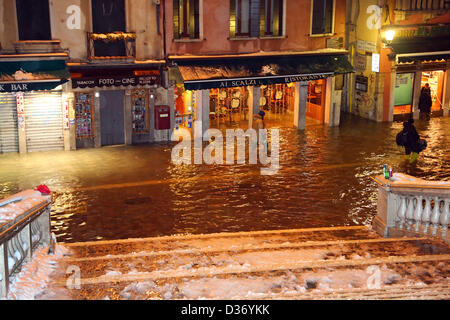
(412, 206)
(24, 225)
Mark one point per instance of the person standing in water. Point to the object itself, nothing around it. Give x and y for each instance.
(425, 102)
(410, 140)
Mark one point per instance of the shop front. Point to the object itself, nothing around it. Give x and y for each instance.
(114, 106)
(418, 62)
(32, 100)
(287, 88)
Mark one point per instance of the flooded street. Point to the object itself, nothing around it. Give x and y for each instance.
(135, 191)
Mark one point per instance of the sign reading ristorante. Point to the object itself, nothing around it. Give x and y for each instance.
(229, 83)
(115, 81)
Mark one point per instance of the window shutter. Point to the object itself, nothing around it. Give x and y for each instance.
(176, 19)
(254, 17)
(196, 19)
(278, 17)
(262, 17)
(318, 17)
(232, 18)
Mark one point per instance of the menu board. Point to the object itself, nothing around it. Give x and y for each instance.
(84, 115)
(139, 103)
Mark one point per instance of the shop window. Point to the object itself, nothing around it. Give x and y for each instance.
(245, 17)
(273, 18)
(315, 105)
(108, 16)
(141, 120)
(186, 19)
(403, 93)
(84, 115)
(33, 20)
(322, 17)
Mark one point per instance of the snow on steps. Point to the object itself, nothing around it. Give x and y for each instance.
(322, 263)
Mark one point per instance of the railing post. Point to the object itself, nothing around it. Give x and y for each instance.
(388, 204)
(4, 273)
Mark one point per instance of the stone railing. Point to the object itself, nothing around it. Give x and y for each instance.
(409, 206)
(24, 225)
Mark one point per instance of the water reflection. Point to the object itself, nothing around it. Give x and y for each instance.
(135, 191)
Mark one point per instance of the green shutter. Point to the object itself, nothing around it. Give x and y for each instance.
(176, 19)
(232, 18)
(277, 17)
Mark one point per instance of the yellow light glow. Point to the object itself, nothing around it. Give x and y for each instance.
(389, 35)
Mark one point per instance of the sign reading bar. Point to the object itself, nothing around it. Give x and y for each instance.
(30, 86)
(224, 83)
(115, 81)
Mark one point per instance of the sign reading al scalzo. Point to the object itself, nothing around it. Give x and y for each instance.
(115, 81)
(256, 81)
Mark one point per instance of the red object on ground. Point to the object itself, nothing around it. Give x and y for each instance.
(43, 189)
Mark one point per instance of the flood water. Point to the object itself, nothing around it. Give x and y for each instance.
(135, 191)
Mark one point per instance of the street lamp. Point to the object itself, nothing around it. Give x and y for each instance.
(389, 35)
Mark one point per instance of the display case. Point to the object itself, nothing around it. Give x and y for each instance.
(140, 110)
(84, 115)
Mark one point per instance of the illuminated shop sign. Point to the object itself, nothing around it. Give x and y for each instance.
(29, 86)
(115, 81)
(230, 83)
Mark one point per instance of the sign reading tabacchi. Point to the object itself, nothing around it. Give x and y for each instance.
(115, 81)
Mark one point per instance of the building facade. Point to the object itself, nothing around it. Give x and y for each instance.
(108, 86)
(396, 47)
(229, 59)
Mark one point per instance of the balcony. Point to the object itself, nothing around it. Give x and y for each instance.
(422, 5)
(117, 46)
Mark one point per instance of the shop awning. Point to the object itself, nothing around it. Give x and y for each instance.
(32, 75)
(198, 74)
(422, 49)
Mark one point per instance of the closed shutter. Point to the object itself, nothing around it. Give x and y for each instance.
(255, 6)
(9, 141)
(176, 19)
(44, 121)
(233, 24)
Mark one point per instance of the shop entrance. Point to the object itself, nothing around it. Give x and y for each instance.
(44, 120)
(112, 117)
(436, 80)
(229, 107)
(315, 103)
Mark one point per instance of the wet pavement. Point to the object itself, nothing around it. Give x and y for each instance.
(135, 191)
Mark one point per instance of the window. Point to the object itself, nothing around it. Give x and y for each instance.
(33, 20)
(244, 18)
(252, 18)
(273, 17)
(108, 16)
(186, 19)
(322, 17)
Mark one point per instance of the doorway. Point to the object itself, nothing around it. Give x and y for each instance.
(33, 20)
(112, 117)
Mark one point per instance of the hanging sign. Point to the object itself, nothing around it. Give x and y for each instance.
(115, 81)
(375, 62)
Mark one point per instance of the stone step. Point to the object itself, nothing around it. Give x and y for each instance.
(219, 240)
(331, 263)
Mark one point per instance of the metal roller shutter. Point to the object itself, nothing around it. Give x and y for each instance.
(9, 141)
(44, 121)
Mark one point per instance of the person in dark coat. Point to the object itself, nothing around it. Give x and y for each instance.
(412, 142)
(425, 102)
